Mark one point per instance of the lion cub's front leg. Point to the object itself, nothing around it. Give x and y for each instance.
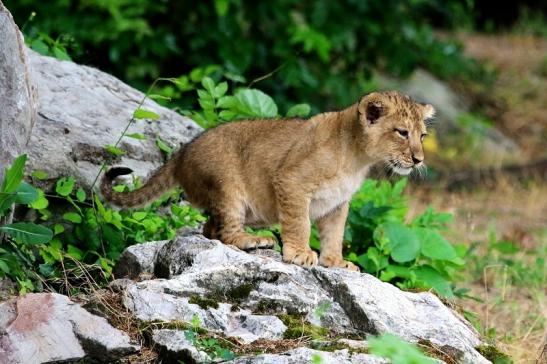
(295, 227)
(331, 234)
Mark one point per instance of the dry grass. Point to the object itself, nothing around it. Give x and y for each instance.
(512, 313)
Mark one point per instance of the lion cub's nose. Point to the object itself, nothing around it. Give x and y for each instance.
(416, 160)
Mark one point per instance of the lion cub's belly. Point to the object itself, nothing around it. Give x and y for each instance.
(335, 193)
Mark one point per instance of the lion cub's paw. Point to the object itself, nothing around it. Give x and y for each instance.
(304, 257)
(330, 262)
(248, 242)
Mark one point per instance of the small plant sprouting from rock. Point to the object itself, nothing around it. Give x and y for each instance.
(397, 351)
(209, 345)
(322, 308)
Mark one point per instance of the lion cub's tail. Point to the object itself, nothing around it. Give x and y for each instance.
(162, 180)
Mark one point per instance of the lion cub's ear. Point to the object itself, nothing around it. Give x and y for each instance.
(428, 111)
(371, 109)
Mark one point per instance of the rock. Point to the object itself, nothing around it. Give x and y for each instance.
(378, 307)
(82, 109)
(172, 260)
(230, 290)
(7, 288)
(47, 327)
(174, 347)
(158, 300)
(138, 259)
(256, 282)
(307, 355)
(17, 100)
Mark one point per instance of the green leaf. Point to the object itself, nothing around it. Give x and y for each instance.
(41, 202)
(113, 150)
(220, 90)
(58, 229)
(145, 114)
(74, 252)
(39, 46)
(61, 54)
(139, 215)
(403, 242)
(208, 84)
(159, 97)
(26, 194)
(433, 279)
(299, 110)
(137, 136)
(372, 261)
(40, 175)
(14, 175)
(397, 351)
(227, 102)
(434, 245)
(255, 103)
(72, 217)
(163, 147)
(65, 186)
(28, 232)
(80, 194)
(4, 267)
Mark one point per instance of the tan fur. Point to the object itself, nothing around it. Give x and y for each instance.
(290, 171)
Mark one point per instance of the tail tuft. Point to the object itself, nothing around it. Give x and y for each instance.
(112, 173)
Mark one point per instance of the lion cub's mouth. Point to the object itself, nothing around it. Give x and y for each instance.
(398, 168)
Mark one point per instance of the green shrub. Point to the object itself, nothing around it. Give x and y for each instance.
(318, 51)
(22, 236)
(411, 255)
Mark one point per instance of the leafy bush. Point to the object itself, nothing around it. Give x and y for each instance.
(411, 255)
(23, 235)
(319, 51)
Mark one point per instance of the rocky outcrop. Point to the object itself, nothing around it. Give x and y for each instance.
(17, 102)
(81, 110)
(243, 295)
(307, 355)
(48, 327)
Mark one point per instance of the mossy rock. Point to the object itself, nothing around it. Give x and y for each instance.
(494, 354)
(298, 327)
(203, 302)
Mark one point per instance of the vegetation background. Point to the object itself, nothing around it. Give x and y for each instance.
(323, 55)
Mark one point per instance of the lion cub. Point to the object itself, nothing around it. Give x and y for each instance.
(289, 171)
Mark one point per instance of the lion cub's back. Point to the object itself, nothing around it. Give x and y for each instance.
(245, 152)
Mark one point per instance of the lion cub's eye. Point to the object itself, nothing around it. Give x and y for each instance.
(422, 137)
(402, 132)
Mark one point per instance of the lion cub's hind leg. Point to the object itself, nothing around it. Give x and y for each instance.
(227, 224)
(331, 234)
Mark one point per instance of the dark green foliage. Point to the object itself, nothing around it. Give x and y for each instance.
(411, 255)
(21, 237)
(323, 51)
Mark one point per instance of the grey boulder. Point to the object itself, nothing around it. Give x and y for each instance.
(307, 355)
(236, 288)
(48, 327)
(81, 110)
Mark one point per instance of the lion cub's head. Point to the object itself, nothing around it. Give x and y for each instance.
(394, 128)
